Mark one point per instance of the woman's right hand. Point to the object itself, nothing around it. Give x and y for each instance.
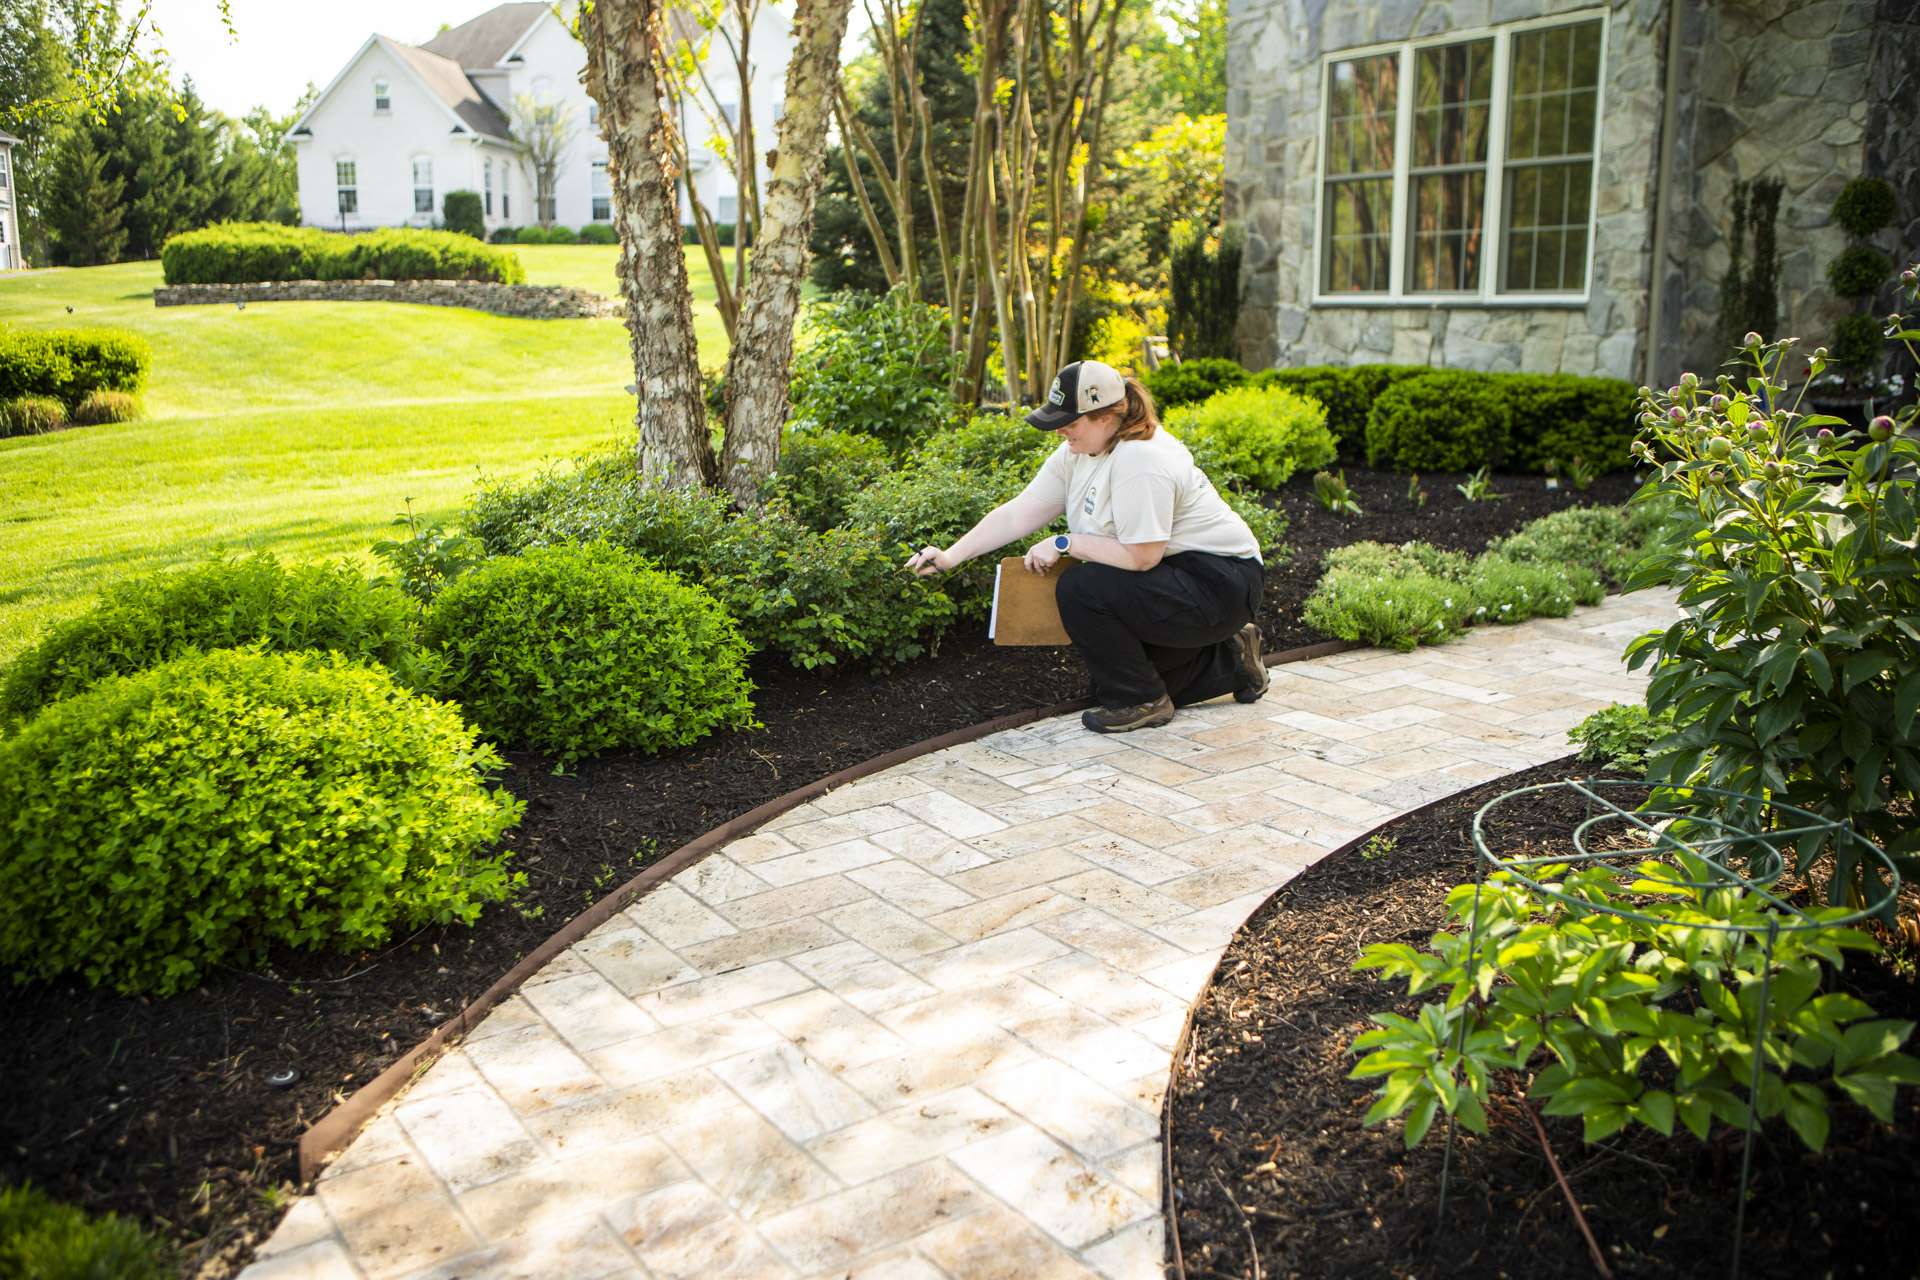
(928, 561)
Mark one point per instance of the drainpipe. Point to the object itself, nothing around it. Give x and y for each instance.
(1663, 198)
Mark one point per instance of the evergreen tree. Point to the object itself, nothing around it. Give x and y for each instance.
(82, 213)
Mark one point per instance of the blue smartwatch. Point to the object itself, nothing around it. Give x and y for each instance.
(1060, 541)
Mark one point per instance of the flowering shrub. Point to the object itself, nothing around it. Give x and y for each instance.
(1622, 1021)
(1794, 670)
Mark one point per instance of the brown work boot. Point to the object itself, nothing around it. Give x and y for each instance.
(1253, 672)
(1146, 715)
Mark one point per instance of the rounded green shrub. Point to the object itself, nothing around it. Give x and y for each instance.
(460, 210)
(1261, 436)
(577, 649)
(1336, 391)
(504, 235)
(1859, 269)
(1557, 417)
(31, 416)
(223, 803)
(600, 498)
(67, 364)
(877, 365)
(1864, 206)
(599, 233)
(1439, 421)
(990, 442)
(821, 469)
(98, 408)
(222, 604)
(1192, 381)
(42, 1239)
(1857, 341)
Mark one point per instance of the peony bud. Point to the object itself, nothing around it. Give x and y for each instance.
(1881, 428)
(1676, 414)
(1773, 470)
(1908, 277)
(1689, 380)
(1751, 340)
(1719, 448)
(1720, 404)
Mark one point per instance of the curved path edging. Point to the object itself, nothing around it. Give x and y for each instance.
(921, 1026)
(332, 1131)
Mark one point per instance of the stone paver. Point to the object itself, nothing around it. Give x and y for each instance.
(921, 1026)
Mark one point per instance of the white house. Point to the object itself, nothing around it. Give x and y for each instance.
(401, 125)
(10, 256)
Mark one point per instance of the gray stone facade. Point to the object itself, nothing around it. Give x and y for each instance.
(525, 301)
(1716, 91)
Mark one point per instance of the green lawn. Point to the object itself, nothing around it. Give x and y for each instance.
(299, 428)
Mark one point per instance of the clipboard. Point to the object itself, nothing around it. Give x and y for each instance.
(1025, 611)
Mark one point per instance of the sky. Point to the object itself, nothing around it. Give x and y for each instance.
(283, 44)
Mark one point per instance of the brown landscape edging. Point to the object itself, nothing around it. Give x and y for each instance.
(333, 1131)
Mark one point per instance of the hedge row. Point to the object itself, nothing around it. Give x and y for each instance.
(1414, 418)
(592, 233)
(246, 252)
(68, 365)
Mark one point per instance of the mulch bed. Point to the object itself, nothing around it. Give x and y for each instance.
(1275, 1175)
(161, 1109)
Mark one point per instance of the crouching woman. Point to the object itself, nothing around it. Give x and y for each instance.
(1161, 608)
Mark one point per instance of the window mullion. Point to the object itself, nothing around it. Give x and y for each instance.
(1402, 157)
(1494, 220)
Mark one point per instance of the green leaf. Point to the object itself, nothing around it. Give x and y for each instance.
(1656, 1110)
(1420, 1119)
(1807, 1115)
(1906, 701)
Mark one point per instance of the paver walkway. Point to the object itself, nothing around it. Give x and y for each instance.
(921, 1026)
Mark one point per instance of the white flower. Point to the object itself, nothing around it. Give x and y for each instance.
(1506, 608)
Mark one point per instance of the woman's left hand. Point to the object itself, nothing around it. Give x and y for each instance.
(1041, 556)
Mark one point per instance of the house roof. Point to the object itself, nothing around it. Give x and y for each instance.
(485, 41)
(7, 137)
(450, 83)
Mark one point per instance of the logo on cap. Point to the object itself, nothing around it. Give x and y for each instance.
(1056, 396)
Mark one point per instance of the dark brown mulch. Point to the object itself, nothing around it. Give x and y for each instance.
(160, 1108)
(1275, 1175)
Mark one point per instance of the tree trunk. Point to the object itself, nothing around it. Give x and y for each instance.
(623, 39)
(760, 365)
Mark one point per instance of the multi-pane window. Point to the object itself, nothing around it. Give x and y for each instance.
(602, 197)
(506, 190)
(1553, 107)
(1462, 167)
(422, 185)
(729, 209)
(1358, 232)
(6, 178)
(486, 181)
(382, 101)
(346, 186)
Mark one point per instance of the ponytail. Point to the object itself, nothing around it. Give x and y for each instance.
(1138, 421)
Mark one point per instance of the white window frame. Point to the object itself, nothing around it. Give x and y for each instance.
(382, 96)
(1494, 216)
(6, 170)
(599, 192)
(486, 180)
(342, 188)
(415, 187)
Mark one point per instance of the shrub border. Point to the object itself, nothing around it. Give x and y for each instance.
(524, 301)
(330, 1134)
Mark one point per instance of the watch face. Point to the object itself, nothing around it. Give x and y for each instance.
(1060, 542)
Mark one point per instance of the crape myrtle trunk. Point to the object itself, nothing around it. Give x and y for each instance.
(623, 40)
(760, 364)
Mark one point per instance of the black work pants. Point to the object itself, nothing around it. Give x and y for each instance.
(1165, 630)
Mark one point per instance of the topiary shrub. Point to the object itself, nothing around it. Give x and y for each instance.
(1438, 421)
(1192, 381)
(577, 649)
(98, 408)
(1260, 437)
(876, 365)
(460, 210)
(599, 233)
(820, 470)
(145, 621)
(197, 814)
(42, 1239)
(31, 416)
(1204, 291)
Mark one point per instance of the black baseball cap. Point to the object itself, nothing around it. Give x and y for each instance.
(1083, 387)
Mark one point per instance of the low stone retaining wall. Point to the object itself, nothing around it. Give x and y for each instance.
(527, 301)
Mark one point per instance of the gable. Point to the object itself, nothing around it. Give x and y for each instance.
(486, 41)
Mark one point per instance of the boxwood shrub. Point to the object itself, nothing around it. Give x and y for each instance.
(599, 233)
(69, 364)
(1443, 420)
(244, 252)
(577, 649)
(1259, 435)
(1192, 381)
(221, 604)
(1557, 417)
(42, 1239)
(198, 813)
